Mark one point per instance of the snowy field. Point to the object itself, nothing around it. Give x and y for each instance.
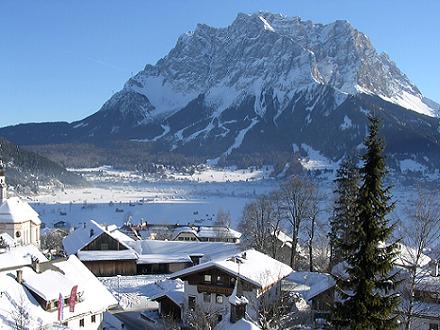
(117, 196)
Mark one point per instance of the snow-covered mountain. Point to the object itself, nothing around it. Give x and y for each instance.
(265, 83)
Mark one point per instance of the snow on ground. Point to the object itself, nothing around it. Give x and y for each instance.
(410, 165)
(171, 211)
(315, 160)
(205, 174)
(226, 175)
(346, 124)
(117, 196)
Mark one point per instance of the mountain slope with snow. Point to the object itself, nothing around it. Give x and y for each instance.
(264, 83)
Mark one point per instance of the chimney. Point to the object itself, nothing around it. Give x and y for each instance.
(92, 232)
(238, 302)
(19, 276)
(84, 225)
(36, 265)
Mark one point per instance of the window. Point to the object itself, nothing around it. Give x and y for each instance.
(104, 246)
(206, 297)
(192, 303)
(207, 278)
(219, 299)
(433, 326)
(93, 319)
(219, 279)
(81, 323)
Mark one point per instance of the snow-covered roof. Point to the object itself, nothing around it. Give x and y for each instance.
(163, 259)
(183, 249)
(251, 266)
(79, 238)
(408, 255)
(96, 255)
(208, 232)
(15, 210)
(213, 232)
(185, 230)
(19, 256)
(7, 240)
(95, 297)
(283, 237)
(309, 284)
(48, 284)
(177, 296)
(241, 324)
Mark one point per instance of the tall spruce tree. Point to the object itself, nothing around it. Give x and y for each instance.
(368, 299)
(344, 212)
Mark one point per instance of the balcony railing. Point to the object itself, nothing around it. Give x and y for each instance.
(214, 289)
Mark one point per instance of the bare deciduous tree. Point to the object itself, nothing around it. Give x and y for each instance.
(223, 218)
(256, 224)
(311, 223)
(197, 319)
(420, 231)
(20, 314)
(53, 240)
(297, 194)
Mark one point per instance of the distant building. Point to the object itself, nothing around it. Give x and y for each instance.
(165, 257)
(45, 295)
(209, 285)
(61, 225)
(207, 234)
(177, 232)
(17, 218)
(103, 249)
(315, 289)
(107, 251)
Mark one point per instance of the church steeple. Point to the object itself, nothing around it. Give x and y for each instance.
(3, 187)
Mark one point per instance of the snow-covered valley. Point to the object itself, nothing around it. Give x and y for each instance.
(115, 197)
(118, 196)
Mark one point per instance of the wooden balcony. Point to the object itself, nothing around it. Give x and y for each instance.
(214, 289)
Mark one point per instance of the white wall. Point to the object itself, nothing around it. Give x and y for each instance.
(421, 324)
(88, 325)
(252, 309)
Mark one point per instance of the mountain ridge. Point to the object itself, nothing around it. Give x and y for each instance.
(266, 82)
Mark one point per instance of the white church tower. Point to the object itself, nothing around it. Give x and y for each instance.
(17, 218)
(3, 187)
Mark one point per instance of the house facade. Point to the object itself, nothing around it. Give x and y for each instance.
(103, 249)
(208, 286)
(50, 294)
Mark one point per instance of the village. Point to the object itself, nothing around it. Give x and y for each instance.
(161, 276)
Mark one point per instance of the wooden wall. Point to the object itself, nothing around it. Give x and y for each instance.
(111, 267)
(104, 239)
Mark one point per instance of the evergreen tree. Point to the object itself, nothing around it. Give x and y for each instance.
(344, 214)
(368, 299)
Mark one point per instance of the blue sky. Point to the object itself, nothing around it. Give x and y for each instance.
(61, 60)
